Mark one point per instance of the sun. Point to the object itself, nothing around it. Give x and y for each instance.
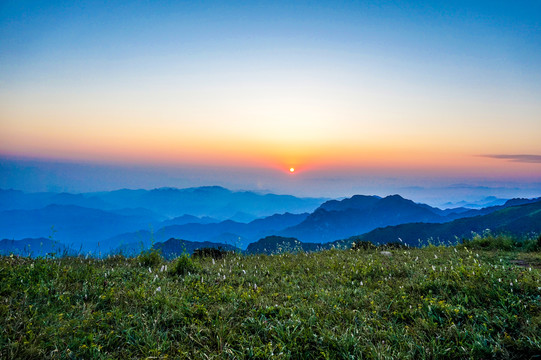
(291, 170)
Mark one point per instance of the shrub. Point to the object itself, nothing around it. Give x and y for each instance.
(392, 245)
(151, 257)
(183, 265)
(362, 245)
(211, 252)
(489, 241)
(533, 243)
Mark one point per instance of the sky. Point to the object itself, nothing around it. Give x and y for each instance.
(357, 96)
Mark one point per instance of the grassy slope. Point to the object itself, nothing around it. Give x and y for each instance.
(420, 303)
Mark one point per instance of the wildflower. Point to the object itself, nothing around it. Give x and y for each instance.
(150, 270)
(362, 283)
(244, 272)
(511, 283)
(499, 280)
(155, 277)
(158, 289)
(455, 250)
(435, 256)
(255, 286)
(213, 262)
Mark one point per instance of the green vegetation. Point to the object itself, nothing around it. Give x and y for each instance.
(405, 303)
(490, 241)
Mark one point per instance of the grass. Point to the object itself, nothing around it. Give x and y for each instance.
(430, 303)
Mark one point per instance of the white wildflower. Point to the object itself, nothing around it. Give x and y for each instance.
(158, 289)
(149, 270)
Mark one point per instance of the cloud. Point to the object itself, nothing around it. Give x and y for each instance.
(517, 158)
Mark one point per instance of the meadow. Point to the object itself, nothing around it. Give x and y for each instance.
(436, 302)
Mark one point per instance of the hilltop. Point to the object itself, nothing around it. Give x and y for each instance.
(435, 302)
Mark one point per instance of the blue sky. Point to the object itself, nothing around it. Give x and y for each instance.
(346, 92)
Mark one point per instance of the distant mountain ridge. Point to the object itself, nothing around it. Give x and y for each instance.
(517, 220)
(360, 214)
(207, 201)
(131, 224)
(226, 232)
(34, 247)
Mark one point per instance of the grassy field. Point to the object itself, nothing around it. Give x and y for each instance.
(430, 303)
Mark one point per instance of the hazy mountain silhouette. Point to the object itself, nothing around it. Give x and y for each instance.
(226, 232)
(134, 219)
(187, 219)
(490, 209)
(73, 225)
(208, 201)
(175, 247)
(34, 247)
(18, 200)
(359, 214)
(211, 201)
(517, 220)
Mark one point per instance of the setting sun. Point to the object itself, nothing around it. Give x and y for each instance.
(291, 170)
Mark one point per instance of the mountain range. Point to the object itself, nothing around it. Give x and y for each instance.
(129, 221)
(516, 219)
(90, 219)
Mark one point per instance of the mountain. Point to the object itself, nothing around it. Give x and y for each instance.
(34, 247)
(187, 219)
(277, 244)
(517, 220)
(226, 232)
(360, 214)
(207, 201)
(212, 201)
(487, 201)
(72, 225)
(175, 247)
(339, 219)
(18, 200)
